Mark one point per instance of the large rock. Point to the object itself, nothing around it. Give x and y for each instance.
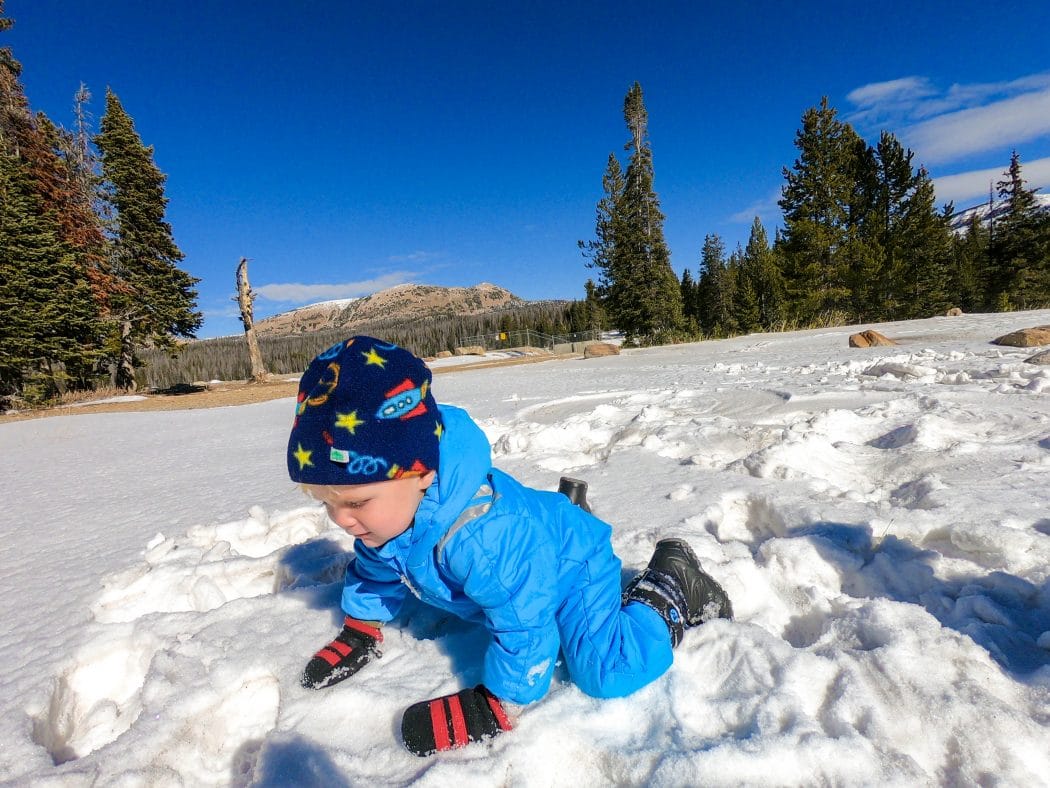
(597, 349)
(870, 339)
(470, 350)
(1026, 337)
(954, 312)
(1042, 357)
(444, 354)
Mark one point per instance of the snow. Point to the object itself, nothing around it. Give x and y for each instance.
(487, 358)
(960, 221)
(879, 517)
(108, 400)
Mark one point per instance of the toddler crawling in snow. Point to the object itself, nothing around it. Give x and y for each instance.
(413, 482)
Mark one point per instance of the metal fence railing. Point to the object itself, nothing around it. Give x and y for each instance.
(526, 337)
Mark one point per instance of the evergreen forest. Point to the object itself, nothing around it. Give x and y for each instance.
(861, 240)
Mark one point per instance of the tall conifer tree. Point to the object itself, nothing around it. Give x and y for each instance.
(50, 242)
(46, 307)
(605, 252)
(1019, 252)
(761, 270)
(925, 237)
(817, 199)
(653, 281)
(638, 286)
(746, 312)
(155, 300)
(690, 313)
(715, 288)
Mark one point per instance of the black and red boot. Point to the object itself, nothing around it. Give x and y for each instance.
(676, 587)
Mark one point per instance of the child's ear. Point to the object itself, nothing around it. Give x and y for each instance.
(426, 480)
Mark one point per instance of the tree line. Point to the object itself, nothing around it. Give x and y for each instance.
(226, 358)
(89, 269)
(862, 240)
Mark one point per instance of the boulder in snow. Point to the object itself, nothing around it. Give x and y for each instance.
(870, 339)
(596, 349)
(1026, 337)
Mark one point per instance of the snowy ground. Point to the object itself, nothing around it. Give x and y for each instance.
(880, 517)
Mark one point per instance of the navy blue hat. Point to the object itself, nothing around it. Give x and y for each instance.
(364, 414)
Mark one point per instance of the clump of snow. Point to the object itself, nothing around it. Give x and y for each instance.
(879, 518)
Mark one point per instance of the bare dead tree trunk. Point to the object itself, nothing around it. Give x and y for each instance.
(245, 297)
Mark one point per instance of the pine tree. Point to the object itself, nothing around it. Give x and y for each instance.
(761, 271)
(969, 272)
(744, 307)
(12, 101)
(926, 237)
(1019, 253)
(638, 287)
(716, 289)
(74, 200)
(155, 300)
(596, 317)
(604, 253)
(654, 283)
(46, 307)
(860, 253)
(817, 199)
(690, 311)
(51, 244)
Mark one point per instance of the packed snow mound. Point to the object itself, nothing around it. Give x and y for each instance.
(878, 517)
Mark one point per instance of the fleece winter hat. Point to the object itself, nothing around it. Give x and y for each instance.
(364, 414)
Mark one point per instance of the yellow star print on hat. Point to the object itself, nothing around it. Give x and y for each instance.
(348, 421)
(371, 357)
(303, 456)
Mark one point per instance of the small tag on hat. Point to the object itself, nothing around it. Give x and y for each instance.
(339, 455)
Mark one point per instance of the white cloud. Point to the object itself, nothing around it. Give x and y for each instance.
(888, 104)
(945, 125)
(763, 208)
(412, 257)
(225, 311)
(906, 89)
(966, 189)
(1008, 122)
(295, 293)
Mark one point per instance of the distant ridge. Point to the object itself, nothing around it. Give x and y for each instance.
(402, 304)
(960, 221)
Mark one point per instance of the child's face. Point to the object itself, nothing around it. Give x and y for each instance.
(374, 513)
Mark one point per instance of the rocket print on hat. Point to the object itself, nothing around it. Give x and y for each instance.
(404, 401)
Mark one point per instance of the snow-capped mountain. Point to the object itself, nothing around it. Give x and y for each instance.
(960, 221)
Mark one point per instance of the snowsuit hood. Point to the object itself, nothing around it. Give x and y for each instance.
(465, 464)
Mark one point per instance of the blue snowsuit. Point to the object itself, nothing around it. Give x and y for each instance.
(538, 572)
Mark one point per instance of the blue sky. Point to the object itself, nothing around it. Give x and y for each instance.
(348, 146)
